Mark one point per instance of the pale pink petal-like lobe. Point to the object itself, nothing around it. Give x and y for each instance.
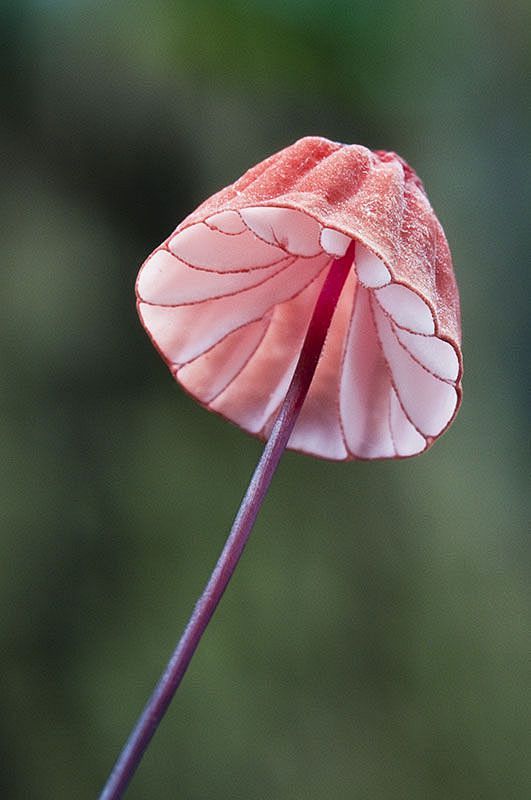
(407, 309)
(428, 401)
(406, 438)
(371, 270)
(245, 401)
(435, 354)
(365, 386)
(212, 372)
(334, 242)
(208, 248)
(292, 231)
(165, 280)
(227, 222)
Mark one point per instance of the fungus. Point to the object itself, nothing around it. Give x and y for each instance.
(312, 303)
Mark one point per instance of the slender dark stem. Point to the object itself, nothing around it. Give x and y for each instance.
(207, 603)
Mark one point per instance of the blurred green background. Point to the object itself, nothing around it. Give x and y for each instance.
(375, 640)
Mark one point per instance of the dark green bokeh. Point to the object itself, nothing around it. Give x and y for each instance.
(375, 640)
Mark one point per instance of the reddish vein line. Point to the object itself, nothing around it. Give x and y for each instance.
(159, 701)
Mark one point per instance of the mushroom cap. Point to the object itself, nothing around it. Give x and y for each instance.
(227, 299)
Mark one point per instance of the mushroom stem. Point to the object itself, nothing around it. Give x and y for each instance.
(159, 701)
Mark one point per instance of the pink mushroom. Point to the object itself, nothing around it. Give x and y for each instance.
(313, 303)
(227, 299)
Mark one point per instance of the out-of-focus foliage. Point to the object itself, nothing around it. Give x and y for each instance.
(375, 640)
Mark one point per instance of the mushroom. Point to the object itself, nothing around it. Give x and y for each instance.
(312, 303)
(227, 299)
